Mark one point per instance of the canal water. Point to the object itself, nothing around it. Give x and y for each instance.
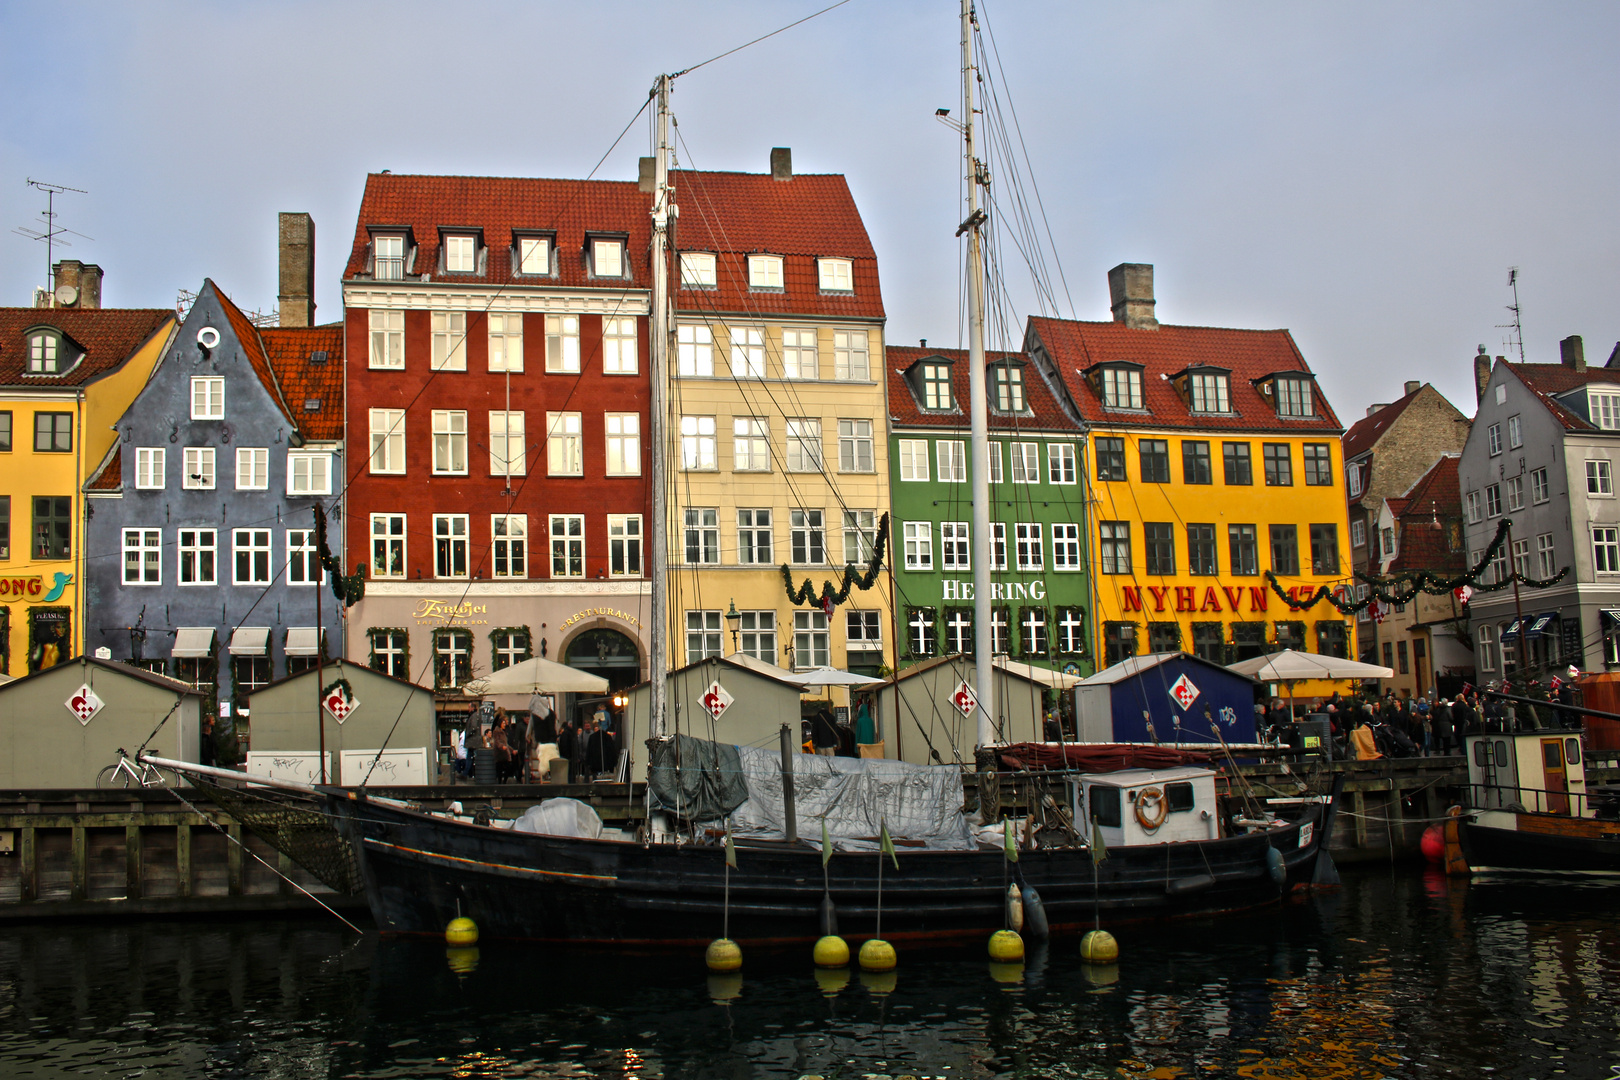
(1395, 974)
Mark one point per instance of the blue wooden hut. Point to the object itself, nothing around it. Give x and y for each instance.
(1171, 697)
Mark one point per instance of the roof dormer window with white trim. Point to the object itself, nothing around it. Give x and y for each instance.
(1603, 408)
(1209, 392)
(388, 256)
(532, 255)
(1121, 387)
(50, 352)
(1294, 397)
(607, 257)
(697, 270)
(836, 275)
(461, 251)
(765, 271)
(1007, 388)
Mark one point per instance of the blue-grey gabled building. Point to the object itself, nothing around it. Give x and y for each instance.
(202, 559)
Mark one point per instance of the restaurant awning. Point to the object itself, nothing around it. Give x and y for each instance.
(193, 642)
(250, 641)
(1537, 625)
(302, 641)
(1611, 618)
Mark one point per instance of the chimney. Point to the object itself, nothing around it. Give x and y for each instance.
(1413, 386)
(1482, 373)
(1373, 410)
(646, 175)
(781, 163)
(1130, 294)
(77, 285)
(1572, 352)
(297, 261)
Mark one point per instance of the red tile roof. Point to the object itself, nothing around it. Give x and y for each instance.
(1044, 412)
(1366, 432)
(110, 475)
(1437, 494)
(108, 336)
(1248, 354)
(289, 349)
(1546, 380)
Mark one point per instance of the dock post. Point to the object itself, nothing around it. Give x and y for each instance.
(1358, 803)
(182, 857)
(132, 862)
(28, 870)
(233, 859)
(81, 864)
(1397, 819)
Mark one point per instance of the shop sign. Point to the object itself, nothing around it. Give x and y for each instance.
(13, 589)
(84, 704)
(596, 612)
(955, 589)
(449, 613)
(340, 701)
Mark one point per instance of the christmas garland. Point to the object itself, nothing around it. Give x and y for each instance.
(349, 589)
(806, 593)
(339, 684)
(1403, 588)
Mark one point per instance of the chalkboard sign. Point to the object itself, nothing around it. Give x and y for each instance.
(841, 715)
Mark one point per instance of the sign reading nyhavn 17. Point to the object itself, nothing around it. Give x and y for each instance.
(1191, 600)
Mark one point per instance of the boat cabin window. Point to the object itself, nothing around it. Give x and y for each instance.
(1501, 754)
(1480, 750)
(1105, 806)
(1178, 797)
(1552, 754)
(1572, 751)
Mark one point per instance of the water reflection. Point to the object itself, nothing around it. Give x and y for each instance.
(1394, 975)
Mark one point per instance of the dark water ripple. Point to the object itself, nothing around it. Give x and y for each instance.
(1394, 975)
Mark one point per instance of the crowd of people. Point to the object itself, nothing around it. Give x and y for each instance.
(588, 746)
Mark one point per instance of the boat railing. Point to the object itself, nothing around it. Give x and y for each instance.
(1534, 800)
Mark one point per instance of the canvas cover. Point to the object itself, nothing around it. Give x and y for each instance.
(560, 817)
(695, 779)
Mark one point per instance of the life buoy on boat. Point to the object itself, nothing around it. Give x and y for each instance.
(1151, 808)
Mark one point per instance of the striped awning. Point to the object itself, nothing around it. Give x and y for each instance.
(193, 642)
(250, 641)
(302, 641)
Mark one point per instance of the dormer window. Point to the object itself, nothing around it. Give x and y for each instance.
(460, 254)
(533, 255)
(764, 271)
(837, 275)
(1294, 397)
(50, 352)
(1007, 386)
(697, 270)
(1603, 408)
(388, 257)
(607, 258)
(936, 386)
(1122, 387)
(1209, 392)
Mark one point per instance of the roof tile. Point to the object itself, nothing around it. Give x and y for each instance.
(109, 336)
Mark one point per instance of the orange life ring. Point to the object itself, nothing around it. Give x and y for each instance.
(1151, 821)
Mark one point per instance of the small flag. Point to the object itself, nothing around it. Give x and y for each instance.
(886, 845)
(1099, 850)
(1007, 840)
(731, 852)
(826, 844)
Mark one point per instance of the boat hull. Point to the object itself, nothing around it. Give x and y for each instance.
(1504, 840)
(421, 871)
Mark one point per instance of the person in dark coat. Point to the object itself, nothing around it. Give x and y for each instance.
(518, 741)
(824, 733)
(595, 751)
(569, 748)
(1440, 718)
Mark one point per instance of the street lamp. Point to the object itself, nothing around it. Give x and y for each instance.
(734, 620)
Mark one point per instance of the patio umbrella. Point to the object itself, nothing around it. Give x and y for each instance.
(827, 676)
(538, 675)
(1289, 667)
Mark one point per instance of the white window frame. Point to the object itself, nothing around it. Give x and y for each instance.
(198, 474)
(756, 540)
(1121, 388)
(1209, 393)
(1026, 462)
(1294, 397)
(388, 441)
(620, 352)
(812, 640)
(252, 468)
(505, 341)
(950, 460)
(309, 473)
(1605, 549)
(757, 635)
(1474, 507)
(1007, 388)
(150, 471)
(998, 545)
(509, 546)
(449, 442)
(253, 546)
(955, 546)
(703, 635)
(625, 546)
(701, 535)
(1493, 439)
(913, 457)
(508, 444)
(1485, 638)
(1060, 466)
(747, 351)
(146, 545)
(799, 353)
(700, 444)
(388, 257)
(449, 341)
(608, 258)
(565, 444)
(750, 444)
(387, 339)
(1066, 547)
(1515, 493)
(1493, 500)
(765, 272)
(207, 397)
(534, 256)
(1603, 409)
(567, 534)
(623, 432)
(855, 449)
(389, 540)
(562, 344)
(835, 275)
(1546, 556)
(996, 471)
(860, 536)
(811, 525)
(698, 270)
(1358, 534)
(851, 360)
(1515, 432)
(918, 546)
(1028, 539)
(1599, 478)
(804, 450)
(1540, 487)
(694, 350)
(450, 547)
(197, 550)
(303, 558)
(460, 253)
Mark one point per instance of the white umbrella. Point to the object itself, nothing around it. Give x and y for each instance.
(828, 676)
(1291, 666)
(538, 675)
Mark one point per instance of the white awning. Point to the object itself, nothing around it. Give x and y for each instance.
(302, 641)
(250, 641)
(193, 642)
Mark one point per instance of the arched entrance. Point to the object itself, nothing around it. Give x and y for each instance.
(607, 653)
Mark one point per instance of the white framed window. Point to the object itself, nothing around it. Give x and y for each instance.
(252, 468)
(460, 254)
(936, 386)
(250, 549)
(507, 444)
(835, 275)
(1026, 462)
(1598, 478)
(309, 472)
(505, 342)
(703, 638)
(1007, 383)
(387, 440)
(449, 442)
(1027, 537)
(1486, 653)
(808, 536)
(388, 258)
(1546, 560)
(747, 351)
(750, 444)
(565, 449)
(1352, 475)
(1475, 510)
(149, 468)
(754, 538)
(998, 545)
(995, 463)
(1060, 463)
(860, 536)
(619, 354)
(624, 545)
(623, 444)
(387, 338)
(199, 468)
(303, 558)
(607, 258)
(698, 442)
(918, 547)
(1358, 534)
(1539, 489)
(855, 446)
(1493, 500)
(697, 270)
(1209, 393)
(694, 350)
(1521, 558)
(450, 545)
(207, 398)
(387, 545)
(1604, 410)
(42, 347)
(562, 344)
(1515, 433)
(198, 549)
(757, 635)
(952, 461)
(812, 644)
(1606, 549)
(143, 556)
(764, 271)
(449, 341)
(803, 445)
(702, 535)
(1294, 398)
(1493, 437)
(955, 551)
(1122, 388)
(850, 355)
(1066, 547)
(799, 354)
(1515, 493)
(509, 545)
(534, 255)
(913, 455)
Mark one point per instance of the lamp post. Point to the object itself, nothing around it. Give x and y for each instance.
(734, 620)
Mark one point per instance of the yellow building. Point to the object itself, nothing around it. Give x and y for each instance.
(776, 422)
(66, 375)
(1213, 459)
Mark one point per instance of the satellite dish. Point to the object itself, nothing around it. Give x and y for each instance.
(66, 295)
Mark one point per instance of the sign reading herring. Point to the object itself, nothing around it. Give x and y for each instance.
(999, 590)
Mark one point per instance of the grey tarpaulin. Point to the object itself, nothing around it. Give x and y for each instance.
(707, 785)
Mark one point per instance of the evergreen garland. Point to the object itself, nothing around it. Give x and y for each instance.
(1403, 588)
(806, 593)
(349, 589)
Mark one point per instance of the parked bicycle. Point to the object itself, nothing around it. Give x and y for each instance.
(125, 773)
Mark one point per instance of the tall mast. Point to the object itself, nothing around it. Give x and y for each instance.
(662, 210)
(978, 400)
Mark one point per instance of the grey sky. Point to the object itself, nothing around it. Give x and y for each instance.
(1361, 174)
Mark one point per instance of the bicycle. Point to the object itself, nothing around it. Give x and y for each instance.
(124, 774)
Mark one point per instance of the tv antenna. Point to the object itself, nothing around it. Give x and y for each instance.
(52, 229)
(1515, 338)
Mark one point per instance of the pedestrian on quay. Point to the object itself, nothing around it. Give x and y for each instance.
(1440, 718)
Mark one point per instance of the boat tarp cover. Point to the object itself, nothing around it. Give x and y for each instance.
(560, 817)
(707, 785)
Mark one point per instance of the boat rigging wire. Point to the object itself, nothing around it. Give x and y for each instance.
(756, 41)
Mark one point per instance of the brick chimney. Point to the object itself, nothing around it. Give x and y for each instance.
(1413, 386)
(1572, 353)
(296, 257)
(1130, 295)
(76, 285)
(1482, 373)
(646, 175)
(782, 163)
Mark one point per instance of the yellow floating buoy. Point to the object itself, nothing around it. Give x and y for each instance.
(1099, 947)
(723, 954)
(1006, 946)
(1004, 972)
(831, 952)
(725, 986)
(879, 982)
(877, 955)
(463, 960)
(461, 932)
(831, 980)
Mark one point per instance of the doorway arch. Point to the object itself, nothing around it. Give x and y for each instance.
(608, 653)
